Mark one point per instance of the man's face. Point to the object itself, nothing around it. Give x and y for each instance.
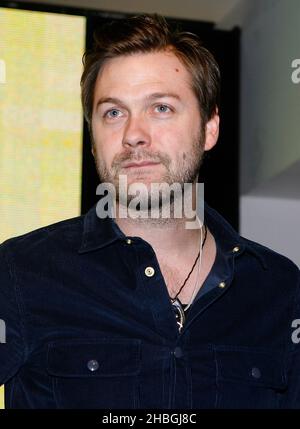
(146, 121)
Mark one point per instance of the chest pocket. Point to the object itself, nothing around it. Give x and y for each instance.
(95, 373)
(248, 378)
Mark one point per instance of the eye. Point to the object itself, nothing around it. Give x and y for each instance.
(163, 108)
(112, 114)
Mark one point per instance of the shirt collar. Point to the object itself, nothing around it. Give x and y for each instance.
(98, 233)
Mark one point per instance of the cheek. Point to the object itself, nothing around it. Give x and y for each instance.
(175, 142)
(107, 144)
(168, 137)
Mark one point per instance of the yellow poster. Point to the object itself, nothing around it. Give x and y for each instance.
(40, 120)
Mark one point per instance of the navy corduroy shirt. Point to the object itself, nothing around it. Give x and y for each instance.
(87, 328)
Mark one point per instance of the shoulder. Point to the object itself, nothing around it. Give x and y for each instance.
(276, 266)
(67, 232)
(269, 255)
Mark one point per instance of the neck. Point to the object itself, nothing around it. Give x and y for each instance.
(167, 236)
(176, 248)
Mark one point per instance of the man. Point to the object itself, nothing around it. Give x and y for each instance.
(142, 311)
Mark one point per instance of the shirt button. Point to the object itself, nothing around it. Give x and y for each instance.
(222, 285)
(178, 353)
(93, 365)
(255, 372)
(128, 241)
(236, 249)
(149, 271)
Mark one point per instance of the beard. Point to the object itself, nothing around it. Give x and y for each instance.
(185, 169)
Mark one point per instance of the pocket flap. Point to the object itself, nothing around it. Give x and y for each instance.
(260, 368)
(94, 358)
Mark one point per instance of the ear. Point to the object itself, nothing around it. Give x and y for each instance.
(212, 131)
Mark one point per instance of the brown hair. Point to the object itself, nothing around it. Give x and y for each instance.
(151, 33)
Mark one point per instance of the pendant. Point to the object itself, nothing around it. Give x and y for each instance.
(179, 313)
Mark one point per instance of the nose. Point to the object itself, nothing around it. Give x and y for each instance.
(136, 133)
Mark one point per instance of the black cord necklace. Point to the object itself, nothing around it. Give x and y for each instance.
(176, 303)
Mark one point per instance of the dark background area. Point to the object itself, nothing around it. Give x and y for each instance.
(220, 170)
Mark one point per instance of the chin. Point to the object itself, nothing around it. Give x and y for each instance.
(146, 179)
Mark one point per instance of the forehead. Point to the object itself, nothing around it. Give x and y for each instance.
(135, 74)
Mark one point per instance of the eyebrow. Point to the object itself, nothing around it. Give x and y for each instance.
(154, 96)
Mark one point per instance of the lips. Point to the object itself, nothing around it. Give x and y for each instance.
(140, 164)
